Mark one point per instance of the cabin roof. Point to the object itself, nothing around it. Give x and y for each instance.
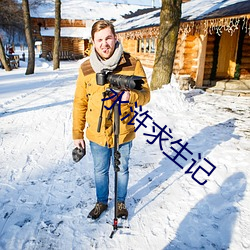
(85, 10)
(208, 9)
(193, 10)
(77, 32)
(140, 21)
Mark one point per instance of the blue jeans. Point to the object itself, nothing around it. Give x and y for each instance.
(102, 157)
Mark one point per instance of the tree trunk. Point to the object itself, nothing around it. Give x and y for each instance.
(168, 34)
(3, 57)
(56, 59)
(29, 38)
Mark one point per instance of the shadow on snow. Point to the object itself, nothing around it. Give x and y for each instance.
(209, 225)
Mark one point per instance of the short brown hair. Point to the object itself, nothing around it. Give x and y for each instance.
(101, 24)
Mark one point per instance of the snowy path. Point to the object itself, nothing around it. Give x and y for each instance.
(45, 197)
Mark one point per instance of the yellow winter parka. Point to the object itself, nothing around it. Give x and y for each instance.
(88, 102)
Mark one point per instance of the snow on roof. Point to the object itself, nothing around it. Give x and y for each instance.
(80, 32)
(192, 10)
(145, 20)
(197, 9)
(85, 10)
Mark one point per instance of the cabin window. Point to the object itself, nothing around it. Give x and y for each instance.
(152, 45)
(146, 45)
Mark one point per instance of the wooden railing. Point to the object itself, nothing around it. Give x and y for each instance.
(64, 55)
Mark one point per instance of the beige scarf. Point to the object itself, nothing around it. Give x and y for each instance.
(110, 64)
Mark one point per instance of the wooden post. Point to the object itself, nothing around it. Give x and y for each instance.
(201, 60)
(144, 45)
(140, 42)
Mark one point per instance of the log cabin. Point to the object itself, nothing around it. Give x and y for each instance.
(77, 19)
(74, 37)
(213, 41)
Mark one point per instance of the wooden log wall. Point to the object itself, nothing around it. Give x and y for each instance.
(146, 59)
(185, 59)
(245, 60)
(190, 56)
(186, 55)
(131, 46)
(47, 45)
(73, 45)
(79, 46)
(66, 44)
(50, 22)
(178, 61)
(209, 57)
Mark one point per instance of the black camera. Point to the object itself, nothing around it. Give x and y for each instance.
(121, 82)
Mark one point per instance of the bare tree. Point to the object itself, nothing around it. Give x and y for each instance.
(168, 34)
(11, 16)
(11, 24)
(56, 59)
(3, 57)
(28, 33)
(36, 3)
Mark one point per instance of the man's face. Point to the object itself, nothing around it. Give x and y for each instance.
(104, 42)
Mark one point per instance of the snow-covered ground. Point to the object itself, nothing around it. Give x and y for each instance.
(45, 197)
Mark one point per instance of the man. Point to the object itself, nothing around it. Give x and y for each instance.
(107, 54)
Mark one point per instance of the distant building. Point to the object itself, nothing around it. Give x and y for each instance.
(74, 36)
(77, 19)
